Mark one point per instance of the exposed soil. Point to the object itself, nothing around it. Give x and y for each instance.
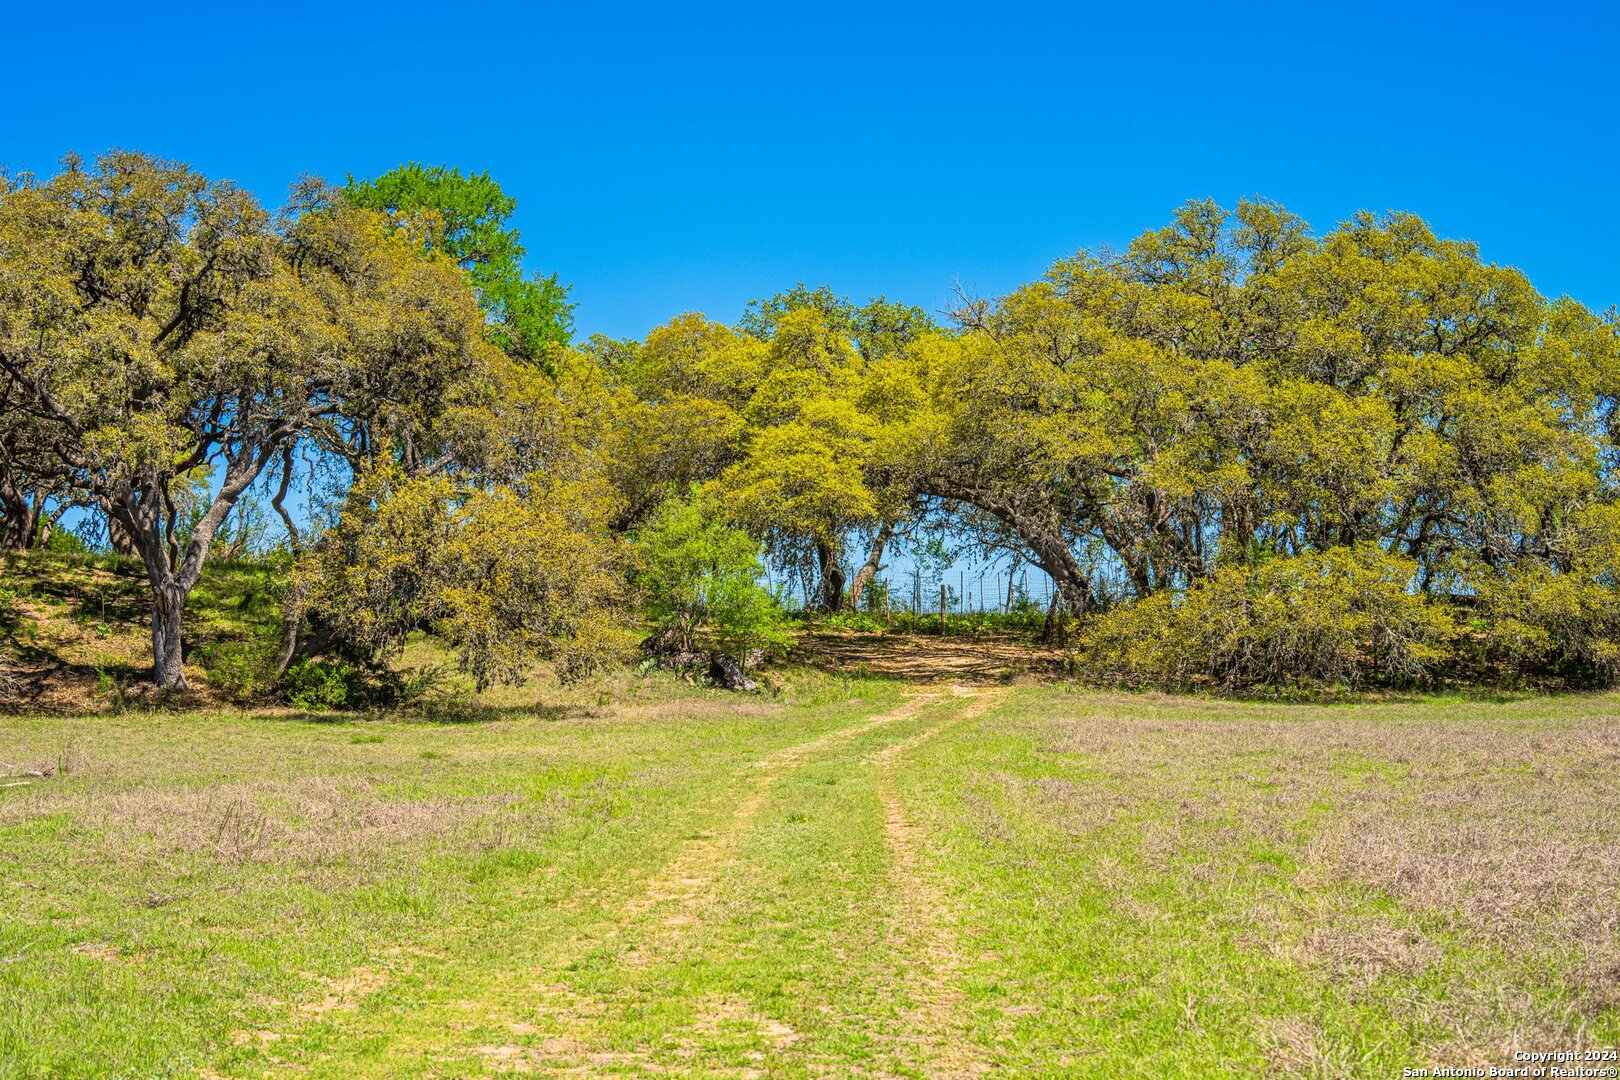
(935, 978)
(929, 658)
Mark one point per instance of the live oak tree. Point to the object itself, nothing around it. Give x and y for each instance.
(1229, 390)
(1233, 386)
(153, 323)
(778, 408)
(1235, 436)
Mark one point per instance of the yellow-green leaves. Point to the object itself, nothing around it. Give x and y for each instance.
(504, 580)
(1343, 616)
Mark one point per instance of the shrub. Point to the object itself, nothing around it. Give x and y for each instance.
(1563, 618)
(697, 573)
(66, 542)
(502, 576)
(857, 621)
(238, 670)
(319, 685)
(1344, 616)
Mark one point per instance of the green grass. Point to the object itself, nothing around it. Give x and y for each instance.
(654, 878)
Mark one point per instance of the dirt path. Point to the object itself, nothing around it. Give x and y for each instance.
(923, 925)
(929, 658)
(677, 896)
(685, 883)
(661, 922)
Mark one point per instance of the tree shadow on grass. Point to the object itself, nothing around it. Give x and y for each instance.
(445, 714)
(43, 673)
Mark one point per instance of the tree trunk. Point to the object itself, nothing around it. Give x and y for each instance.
(672, 637)
(1040, 526)
(870, 568)
(1073, 584)
(292, 621)
(19, 524)
(118, 537)
(1055, 632)
(148, 518)
(830, 590)
(168, 605)
(1051, 554)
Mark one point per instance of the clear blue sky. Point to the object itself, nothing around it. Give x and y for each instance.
(691, 157)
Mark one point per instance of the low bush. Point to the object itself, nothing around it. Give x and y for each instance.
(1345, 617)
(239, 670)
(697, 573)
(853, 621)
(1559, 619)
(319, 685)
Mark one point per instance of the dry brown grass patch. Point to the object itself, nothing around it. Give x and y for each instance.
(309, 820)
(1494, 828)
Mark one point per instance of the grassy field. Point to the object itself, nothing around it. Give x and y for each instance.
(856, 877)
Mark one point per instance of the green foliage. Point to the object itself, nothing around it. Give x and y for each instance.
(466, 218)
(239, 670)
(1220, 424)
(154, 325)
(1020, 622)
(1346, 616)
(503, 579)
(1561, 617)
(66, 542)
(878, 327)
(860, 622)
(322, 684)
(697, 573)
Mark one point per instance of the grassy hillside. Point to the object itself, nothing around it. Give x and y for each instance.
(853, 878)
(74, 628)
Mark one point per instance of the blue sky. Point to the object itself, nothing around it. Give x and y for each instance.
(676, 157)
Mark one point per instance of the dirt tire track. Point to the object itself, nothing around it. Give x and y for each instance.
(685, 885)
(933, 1023)
(685, 879)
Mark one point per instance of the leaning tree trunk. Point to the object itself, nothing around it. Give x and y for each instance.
(118, 537)
(1041, 533)
(869, 569)
(1041, 528)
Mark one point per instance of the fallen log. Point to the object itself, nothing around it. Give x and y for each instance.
(725, 671)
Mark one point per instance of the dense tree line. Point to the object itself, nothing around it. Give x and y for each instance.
(1245, 453)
